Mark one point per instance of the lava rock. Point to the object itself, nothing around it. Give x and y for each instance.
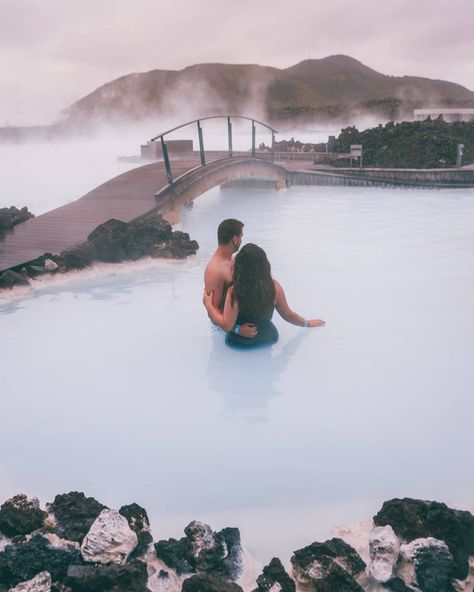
(384, 549)
(74, 514)
(109, 540)
(12, 216)
(20, 515)
(205, 548)
(328, 565)
(432, 562)
(40, 583)
(138, 521)
(274, 573)
(175, 554)
(412, 519)
(78, 257)
(10, 279)
(23, 562)
(397, 585)
(208, 583)
(230, 568)
(108, 578)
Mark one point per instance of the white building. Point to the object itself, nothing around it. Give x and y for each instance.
(447, 114)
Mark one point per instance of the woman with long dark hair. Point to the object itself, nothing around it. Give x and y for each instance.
(251, 298)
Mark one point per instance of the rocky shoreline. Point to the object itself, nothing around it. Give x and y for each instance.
(113, 241)
(77, 544)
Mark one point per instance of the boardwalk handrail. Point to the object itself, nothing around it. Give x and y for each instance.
(214, 117)
(164, 147)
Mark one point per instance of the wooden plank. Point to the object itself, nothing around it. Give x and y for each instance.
(124, 197)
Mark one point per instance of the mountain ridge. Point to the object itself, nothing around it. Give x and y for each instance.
(328, 88)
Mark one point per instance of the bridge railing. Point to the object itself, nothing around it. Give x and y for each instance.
(202, 153)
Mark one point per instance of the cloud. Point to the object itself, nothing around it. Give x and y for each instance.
(53, 52)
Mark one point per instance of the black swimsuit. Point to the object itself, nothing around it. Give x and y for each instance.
(267, 332)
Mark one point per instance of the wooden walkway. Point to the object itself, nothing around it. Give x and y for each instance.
(124, 197)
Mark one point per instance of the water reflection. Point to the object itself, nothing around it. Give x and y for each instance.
(248, 379)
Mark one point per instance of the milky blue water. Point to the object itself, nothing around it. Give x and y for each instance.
(112, 382)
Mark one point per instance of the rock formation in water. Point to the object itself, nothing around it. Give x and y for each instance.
(12, 216)
(413, 519)
(79, 545)
(111, 242)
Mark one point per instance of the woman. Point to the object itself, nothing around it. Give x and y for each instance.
(251, 298)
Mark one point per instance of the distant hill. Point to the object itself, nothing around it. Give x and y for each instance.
(334, 88)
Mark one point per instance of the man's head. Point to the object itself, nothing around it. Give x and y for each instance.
(230, 232)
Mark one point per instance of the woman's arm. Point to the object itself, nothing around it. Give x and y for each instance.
(290, 315)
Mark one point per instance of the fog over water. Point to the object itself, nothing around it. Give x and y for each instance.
(113, 384)
(46, 175)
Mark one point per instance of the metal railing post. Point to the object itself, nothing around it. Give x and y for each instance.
(229, 133)
(273, 146)
(253, 138)
(164, 149)
(201, 144)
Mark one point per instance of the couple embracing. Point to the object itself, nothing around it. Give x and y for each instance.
(240, 294)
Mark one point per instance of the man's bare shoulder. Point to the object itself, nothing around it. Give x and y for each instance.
(217, 271)
(218, 266)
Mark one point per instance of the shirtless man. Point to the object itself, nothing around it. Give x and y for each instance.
(218, 274)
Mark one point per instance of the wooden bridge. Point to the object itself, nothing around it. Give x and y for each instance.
(166, 186)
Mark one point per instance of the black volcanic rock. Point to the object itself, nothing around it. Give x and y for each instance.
(10, 279)
(21, 563)
(175, 554)
(397, 585)
(138, 521)
(274, 573)
(20, 516)
(330, 566)
(230, 567)
(108, 578)
(412, 519)
(203, 550)
(12, 216)
(208, 583)
(434, 569)
(74, 514)
(113, 241)
(409, 144)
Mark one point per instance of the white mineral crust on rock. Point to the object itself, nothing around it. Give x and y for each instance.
(59, 543)
(3, 542)
(109, 540)
(384, 551)
(172, 583)
(40, 583)
(50, 265)
(203, 538)
(406, 569)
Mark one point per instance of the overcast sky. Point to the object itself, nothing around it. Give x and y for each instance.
(52, 52)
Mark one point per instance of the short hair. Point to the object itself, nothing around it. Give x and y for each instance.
(227, 229)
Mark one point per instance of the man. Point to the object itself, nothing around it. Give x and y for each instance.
(218, 274)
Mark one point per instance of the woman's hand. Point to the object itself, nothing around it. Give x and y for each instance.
(316, 323)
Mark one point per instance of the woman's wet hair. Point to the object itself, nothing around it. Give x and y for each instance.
(253, 285)
(227, 229)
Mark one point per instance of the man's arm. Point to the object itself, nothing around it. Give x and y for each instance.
(214, 283)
